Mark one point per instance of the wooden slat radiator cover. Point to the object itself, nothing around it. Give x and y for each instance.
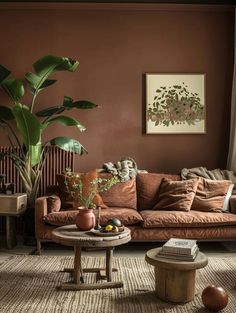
(57, 161)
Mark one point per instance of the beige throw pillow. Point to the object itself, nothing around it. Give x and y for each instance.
(176, 195)
(210, 195)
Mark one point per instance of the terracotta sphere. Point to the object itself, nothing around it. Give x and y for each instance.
(215, 298)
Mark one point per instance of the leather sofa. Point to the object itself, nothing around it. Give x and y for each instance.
(132, 203)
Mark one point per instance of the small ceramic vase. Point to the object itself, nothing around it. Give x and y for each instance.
(85, 219)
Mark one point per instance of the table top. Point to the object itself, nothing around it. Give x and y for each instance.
(70, 236)
(153, 259)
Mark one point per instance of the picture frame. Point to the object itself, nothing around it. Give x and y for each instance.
(175, 103)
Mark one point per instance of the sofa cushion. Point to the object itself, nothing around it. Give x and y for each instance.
(86, 179)
(147, 188)
(125, 215)
(153, 219)
(176, 195)
(121, 195)
(53, 203)
(210, 195)
(61, 218)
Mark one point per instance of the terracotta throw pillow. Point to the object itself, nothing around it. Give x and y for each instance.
(121, 195)
(54, 204)
(148, 185)
(176, 195)
(210, 195)
(86, 179)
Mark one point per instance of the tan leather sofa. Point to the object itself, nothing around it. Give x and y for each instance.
(132, 203)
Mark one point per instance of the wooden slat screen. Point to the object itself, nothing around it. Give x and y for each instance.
(57, 161)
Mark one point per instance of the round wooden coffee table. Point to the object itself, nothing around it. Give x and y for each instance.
(175, 279)
(71, 236)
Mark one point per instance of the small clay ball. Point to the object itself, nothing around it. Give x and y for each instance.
(215, 298)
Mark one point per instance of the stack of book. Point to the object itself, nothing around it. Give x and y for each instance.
(179, 249)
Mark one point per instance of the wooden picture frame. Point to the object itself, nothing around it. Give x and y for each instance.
(175, 103)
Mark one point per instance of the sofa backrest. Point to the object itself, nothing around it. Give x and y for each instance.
(121, 195)
(147, 188)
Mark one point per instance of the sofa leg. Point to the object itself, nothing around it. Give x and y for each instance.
(39, 248)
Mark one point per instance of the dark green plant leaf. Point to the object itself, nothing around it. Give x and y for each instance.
(47, 83)
(50, 111)
(66, 121)
(50, 63)
(68, 144)
(83, 104)
(6, 113)
(28, 125)
(67, 102)
(4, 73)
(14, 88)
(46, 66)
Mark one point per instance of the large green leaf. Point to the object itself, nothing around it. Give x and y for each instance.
(35, 153)
(46, 66)
(51, 62)
(6, 113)
(4, 73)
(14, 88)
(68, 144)
(50, 111)
(28, 125)
(66, 121)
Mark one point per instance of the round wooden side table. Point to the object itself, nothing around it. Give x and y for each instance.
(71, 236)
(175, 279)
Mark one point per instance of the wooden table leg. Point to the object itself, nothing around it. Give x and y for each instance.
(109, 255)
(77, 264)
(11, 232)
(77, 271)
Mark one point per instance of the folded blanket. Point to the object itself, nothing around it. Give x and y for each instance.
(216, 174)
(125, 169)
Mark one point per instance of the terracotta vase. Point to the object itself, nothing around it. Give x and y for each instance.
(85, 219)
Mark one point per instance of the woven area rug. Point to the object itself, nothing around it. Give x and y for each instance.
(28, 284)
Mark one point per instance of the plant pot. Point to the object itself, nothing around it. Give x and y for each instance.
(85, 219)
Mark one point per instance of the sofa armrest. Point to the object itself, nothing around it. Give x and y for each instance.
(41, 209)
(232, 202)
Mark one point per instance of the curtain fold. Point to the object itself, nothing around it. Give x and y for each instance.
(231, 162)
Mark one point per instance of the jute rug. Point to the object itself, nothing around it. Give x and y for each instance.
(28, 284)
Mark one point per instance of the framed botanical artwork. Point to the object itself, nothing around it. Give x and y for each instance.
(175, 104)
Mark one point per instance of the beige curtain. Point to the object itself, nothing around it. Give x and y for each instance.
(231, 164)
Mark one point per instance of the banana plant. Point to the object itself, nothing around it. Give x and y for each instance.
(31, 123)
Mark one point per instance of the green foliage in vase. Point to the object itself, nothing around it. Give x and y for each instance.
(86, 197)
(24, 124)
(175, 105)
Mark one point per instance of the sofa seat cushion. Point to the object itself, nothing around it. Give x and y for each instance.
(125, 215)
(147, 188)
(61, 218)
(153, 219)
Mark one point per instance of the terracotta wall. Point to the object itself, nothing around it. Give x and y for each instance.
(116, 47)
